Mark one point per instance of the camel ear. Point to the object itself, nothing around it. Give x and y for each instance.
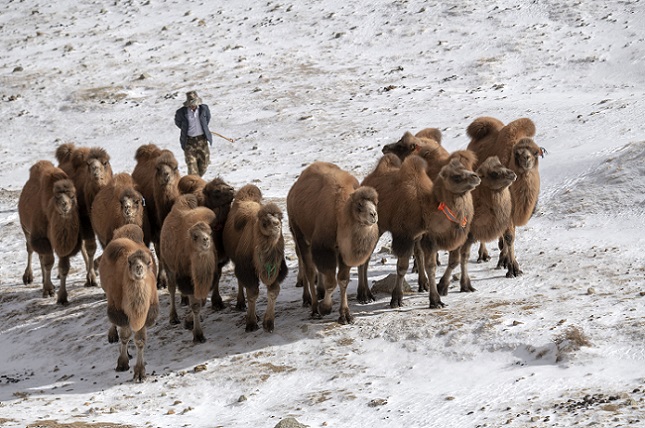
(543, 152)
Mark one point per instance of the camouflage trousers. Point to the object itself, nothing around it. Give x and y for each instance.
(198, 155)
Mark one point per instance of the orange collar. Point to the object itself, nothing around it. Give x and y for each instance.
(452, 216)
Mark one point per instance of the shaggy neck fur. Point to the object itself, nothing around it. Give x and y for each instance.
(63, 231)
(447, 234)
(525, 192)
(492, 212)
(355, 239)
(202, 267)
(267, 256)
(136, 300)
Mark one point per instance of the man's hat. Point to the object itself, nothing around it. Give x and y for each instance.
(192, 99)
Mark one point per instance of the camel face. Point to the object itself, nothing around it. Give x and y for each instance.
(407, 145)
(200, 235)
(525, 154)
(218, 194)
(166, 173)
(364, 203)
(131, 207)
(458, 179)
(98, 170)
(64, 197)
(494, 175)
(270, 225)
(139, 264)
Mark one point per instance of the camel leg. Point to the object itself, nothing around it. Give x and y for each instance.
(343, 281)
(47, 264)
(464, 281)
(269, 316)
(63, 270)
(195, 308)
(328, 280)
(482, 253)
(430, 251)
(140, 365)
(28, 276)
(509, 242)
(123, 363)
(113, 334)
(419, 257)
(363, 293)
(402, 265)
(502, 262)
(444, 282)
(252, 293)
(162, 275)
(88, 250)
(216, 299)
(241, 300)
(172, 288)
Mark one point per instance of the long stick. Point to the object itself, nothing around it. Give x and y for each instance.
(221, 136)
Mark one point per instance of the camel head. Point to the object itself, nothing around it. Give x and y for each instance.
(167, 169)
(64, 197)
(525, 155)
(217, 193)
(200, 236)
(139, 265)
(407, 145)
(457, 178)
(494, 175)
(131, 206)
(98, 166)
(270, 222)
(363, 205)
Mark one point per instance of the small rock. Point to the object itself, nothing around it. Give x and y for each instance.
(290, 423)
(591, 291)
(386, 285)
(17, 69)
(242, 398)
(377, 402)
(200, 368)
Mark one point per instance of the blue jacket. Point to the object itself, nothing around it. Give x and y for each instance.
(181, 120)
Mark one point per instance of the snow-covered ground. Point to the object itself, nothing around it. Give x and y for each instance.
(293, 83)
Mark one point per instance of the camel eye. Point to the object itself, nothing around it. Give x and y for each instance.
(457, 178)
(494, 175)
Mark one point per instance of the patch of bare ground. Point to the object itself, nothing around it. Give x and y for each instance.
(55, 424)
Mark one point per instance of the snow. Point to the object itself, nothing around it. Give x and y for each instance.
(292, 83)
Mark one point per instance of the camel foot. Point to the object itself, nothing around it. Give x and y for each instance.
(251, 327)
(62, 300)
(437, 305)
(199, 338)
(345, 318)
(396, 302)
(467, 289)
(28, 278)
(442, 288)
(174, 319)
(324, 309)
(122, 365)
(240, 306)
(113, 335)
(139, 374)
(218, 304)
(268, 325)
(365, 298)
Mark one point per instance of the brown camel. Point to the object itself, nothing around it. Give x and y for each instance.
(334, 225)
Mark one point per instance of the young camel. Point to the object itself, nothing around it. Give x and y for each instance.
(90, 170)
(116, 204)
(492, 205)
(128, 277)
(411, 207)
(48, 212)
(254, 242)
(516, 150)
(188, 252)
(334, 225)
(218, 196)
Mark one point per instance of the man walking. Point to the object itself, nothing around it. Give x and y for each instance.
(193, 119)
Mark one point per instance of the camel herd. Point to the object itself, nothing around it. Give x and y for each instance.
(427, 198)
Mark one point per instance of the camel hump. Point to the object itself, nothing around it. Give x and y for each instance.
(64, 152)
(147, 151)
(190, 183)
(123, 179)
(430, 134)
(129, 231)
(249, 192)
(515, 131)
(39, 167)
(413, 165)
(388, 162)
(187, 201)
(468, 158)
(483, 126)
